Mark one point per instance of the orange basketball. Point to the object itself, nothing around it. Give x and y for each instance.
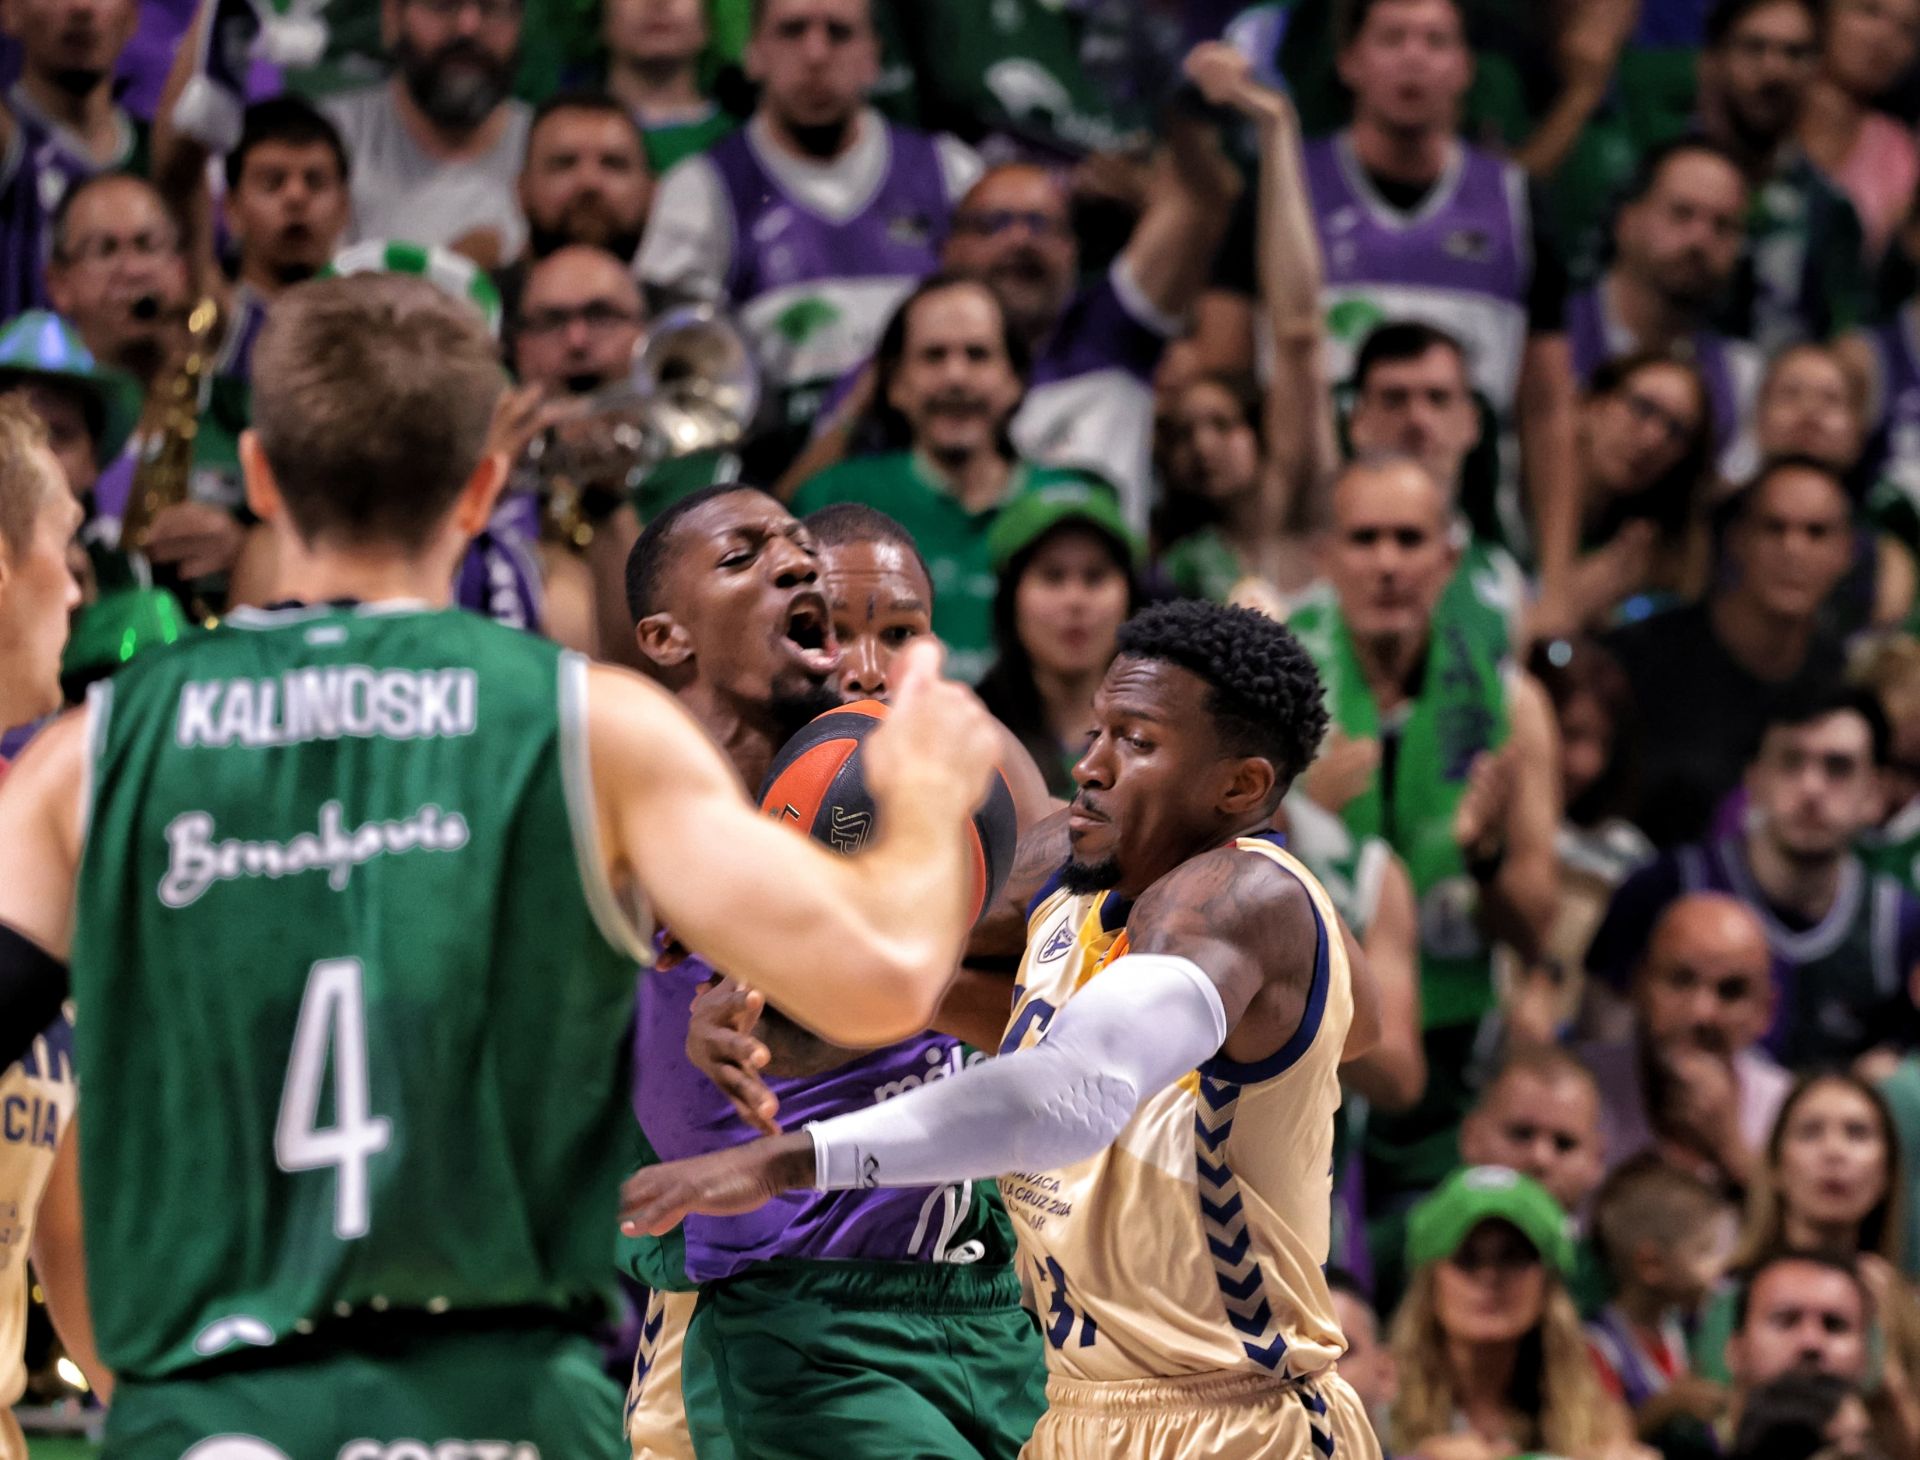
(815, 783)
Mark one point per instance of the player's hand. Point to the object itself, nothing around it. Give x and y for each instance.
(655, 1199)
(721, 1044)
(937, 744)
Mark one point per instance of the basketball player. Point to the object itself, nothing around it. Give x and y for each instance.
(363, 855)
(909, 1296)
(38, 518)
(1171, 1193)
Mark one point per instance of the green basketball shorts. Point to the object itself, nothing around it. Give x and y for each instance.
(865, 1361)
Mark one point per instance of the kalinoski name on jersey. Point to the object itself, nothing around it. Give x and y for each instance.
(196, 861)
(327, 703)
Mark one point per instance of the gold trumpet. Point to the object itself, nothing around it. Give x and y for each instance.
(694, 387)
(162, 474)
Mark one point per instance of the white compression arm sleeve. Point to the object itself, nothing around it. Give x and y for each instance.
(1145, 1022)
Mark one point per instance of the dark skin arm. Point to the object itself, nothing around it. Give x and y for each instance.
(1244, 921)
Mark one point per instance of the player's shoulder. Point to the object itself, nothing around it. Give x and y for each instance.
(1229, 892)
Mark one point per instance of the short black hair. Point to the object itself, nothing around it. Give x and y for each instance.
(1838, 699)
(1787, 1418)
(1726, 14)
(1780, 1257)
(63, 210)
(288, 120)
(600, 103)
(1265, 695)
(841, 523)
(1734, 509)
(1400, 340)
(1654, 161)
(1352, 18)
(647, 562)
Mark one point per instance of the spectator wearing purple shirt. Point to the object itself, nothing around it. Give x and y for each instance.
(1844, 941)
(59, 125)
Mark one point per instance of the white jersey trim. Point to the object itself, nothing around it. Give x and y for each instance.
(99, 711)
(622, 931)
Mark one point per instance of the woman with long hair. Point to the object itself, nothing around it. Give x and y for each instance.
(1646, 445)
(1487, 1340)
(1220, 518)
(1831, 1182)
(1065, 560)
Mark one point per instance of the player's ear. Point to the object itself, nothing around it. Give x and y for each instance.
(263, 492)
(664, 640)
(475, 503)
(1249, 786)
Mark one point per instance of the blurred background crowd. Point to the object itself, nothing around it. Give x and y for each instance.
(1553, 368)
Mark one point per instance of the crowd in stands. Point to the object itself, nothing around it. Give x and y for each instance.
(1552, 369)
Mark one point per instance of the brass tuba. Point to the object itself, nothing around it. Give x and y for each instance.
(165, 465)
(694, 386)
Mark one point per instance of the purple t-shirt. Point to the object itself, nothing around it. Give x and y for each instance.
(684, 1114)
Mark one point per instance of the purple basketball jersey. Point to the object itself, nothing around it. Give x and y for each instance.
(684, 1114)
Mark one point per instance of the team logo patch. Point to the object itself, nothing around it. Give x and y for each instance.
(1057, 945)
(914, 230)
(1471, 244)
(849, 831)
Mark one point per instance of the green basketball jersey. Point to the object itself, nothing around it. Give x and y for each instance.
(353, 992)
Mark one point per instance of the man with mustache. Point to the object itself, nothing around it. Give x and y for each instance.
(1803, 276)
(1691, 1080)
(949, 375)
(815, 219)
(59, 124)
(1678, 238)
(436, 147)
(585, 181)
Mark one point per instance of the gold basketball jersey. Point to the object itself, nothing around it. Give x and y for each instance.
(36, 1098)
(1195, 1242)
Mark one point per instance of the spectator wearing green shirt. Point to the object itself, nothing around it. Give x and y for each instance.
(948, 376)
(657, 54)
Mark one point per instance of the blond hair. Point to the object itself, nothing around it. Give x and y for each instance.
(23, 474)
(1560, 1406)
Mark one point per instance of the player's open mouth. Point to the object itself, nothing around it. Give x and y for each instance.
(810, 632)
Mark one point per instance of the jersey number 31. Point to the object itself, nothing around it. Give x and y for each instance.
(333, 1017)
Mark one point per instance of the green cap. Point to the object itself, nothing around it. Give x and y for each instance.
(1037, 511)
(40, 344)
(1477, 1194)
(118, 625)
(458, 275)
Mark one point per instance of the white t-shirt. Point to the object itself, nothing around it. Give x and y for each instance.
(400, 192)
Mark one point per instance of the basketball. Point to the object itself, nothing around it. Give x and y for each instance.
(816, 784)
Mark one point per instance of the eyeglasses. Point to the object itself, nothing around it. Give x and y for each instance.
(599, 317)
(993, 222)
(494, 12)
(1647, 411)
(152, 243)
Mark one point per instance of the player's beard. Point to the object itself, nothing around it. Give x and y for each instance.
(1100, 876)
(793, 708)
(77, 81)
(823, 140)
(596, 230)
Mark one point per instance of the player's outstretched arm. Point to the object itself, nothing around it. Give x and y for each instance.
(857, 948)
(40, 810)
(1065, 1098)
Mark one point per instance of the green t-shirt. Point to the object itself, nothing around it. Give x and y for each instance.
(682, 476)
(951, 538)
(1202, 565)
(678, 141)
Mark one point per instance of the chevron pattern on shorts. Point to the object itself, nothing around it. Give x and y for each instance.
(1236, 1268)
(651, 1323)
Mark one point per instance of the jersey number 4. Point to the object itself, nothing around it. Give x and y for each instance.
(333, 1019)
